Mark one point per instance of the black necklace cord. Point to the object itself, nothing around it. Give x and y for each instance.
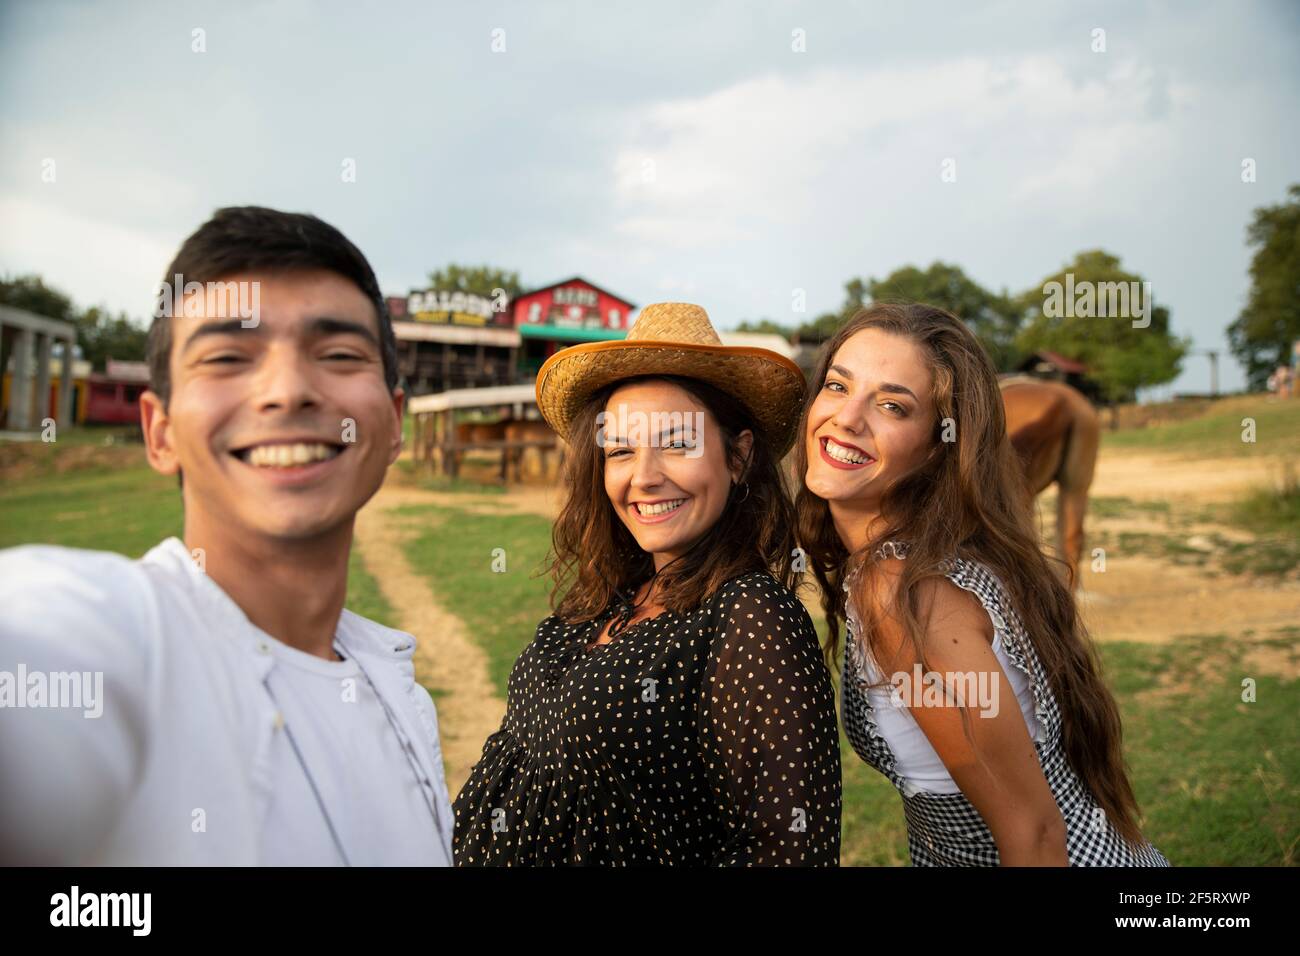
(626, 608)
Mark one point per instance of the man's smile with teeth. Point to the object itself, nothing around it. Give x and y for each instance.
(840, 453)
(662, 507)
(288, 454)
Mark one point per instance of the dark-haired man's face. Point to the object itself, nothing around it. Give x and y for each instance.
(283, 428)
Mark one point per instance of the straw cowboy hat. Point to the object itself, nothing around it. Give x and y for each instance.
(675, 338)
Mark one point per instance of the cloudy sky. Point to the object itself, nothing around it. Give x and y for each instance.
(663, 151)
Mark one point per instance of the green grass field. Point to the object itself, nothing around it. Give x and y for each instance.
(1216, 778)
(127, 511)
(1220, 432)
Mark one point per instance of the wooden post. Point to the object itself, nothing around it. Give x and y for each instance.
(435, 444)
(44, 352)
(450, 443)
(67, 414)
(439, 437)
(422, 450)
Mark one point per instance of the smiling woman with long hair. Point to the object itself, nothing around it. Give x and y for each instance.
(675, 708)
(995, 724)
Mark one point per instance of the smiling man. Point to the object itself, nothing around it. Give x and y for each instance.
(247, 717)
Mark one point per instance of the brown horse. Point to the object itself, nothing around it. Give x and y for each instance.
(1055, 432)
(532, 430)
(511, 430)
(470, 432)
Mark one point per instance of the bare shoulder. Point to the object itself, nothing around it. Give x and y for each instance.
(952, 617)
(952, 607)
(958, 631)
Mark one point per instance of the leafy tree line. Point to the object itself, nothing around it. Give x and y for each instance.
(1262, 337)
(100, 334)
(1123, 349)
(1121, 357)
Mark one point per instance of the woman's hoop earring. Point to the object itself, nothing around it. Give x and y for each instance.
(746, 495)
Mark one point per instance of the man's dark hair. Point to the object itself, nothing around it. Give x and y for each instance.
(250, 238)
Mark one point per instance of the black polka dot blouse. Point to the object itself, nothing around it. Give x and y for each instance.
(706, 738)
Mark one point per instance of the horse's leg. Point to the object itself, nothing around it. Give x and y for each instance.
(1071, 505)
(1078, 466)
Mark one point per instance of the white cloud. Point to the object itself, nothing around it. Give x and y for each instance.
(96, 263)
(786, 150)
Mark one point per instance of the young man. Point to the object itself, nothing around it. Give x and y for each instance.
(245, 717)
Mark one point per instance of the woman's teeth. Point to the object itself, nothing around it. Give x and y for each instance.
(840, 453)
(662, 507)
(287, 456)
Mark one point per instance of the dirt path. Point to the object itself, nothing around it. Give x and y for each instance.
(469, 709)
(1145, 599)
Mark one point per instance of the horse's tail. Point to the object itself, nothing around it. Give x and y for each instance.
(1082, 440)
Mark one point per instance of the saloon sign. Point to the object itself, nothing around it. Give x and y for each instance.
(456, 308)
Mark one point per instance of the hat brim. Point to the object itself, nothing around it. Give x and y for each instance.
(769, 385)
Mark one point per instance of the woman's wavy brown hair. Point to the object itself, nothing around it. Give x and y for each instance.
(594, 557)
(968, 498)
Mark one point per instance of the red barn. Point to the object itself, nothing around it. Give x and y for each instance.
(566, 313)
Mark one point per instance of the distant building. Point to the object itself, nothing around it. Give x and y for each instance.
(802, 354)
(449, 340)
(1058, 368)
(566, 313)
(760, 340)
(28, 343)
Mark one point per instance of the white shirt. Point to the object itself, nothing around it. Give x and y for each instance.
(192, 759)
(915, 758)
(330, 707)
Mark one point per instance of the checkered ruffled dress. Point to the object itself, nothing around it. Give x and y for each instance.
(945, 829)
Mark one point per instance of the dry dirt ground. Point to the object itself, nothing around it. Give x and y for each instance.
(1142, 598)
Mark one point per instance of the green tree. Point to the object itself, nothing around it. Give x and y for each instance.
(103, 336)
(1261, 337)
(992, 317)
(100, 336)
(31, 294)
(1120, 356)
(476, 280)
(821, 328)
(765, 327)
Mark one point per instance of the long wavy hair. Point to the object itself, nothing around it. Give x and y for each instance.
(968, 499)
(594, 558)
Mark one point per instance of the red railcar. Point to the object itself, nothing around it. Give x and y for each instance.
(113, 396)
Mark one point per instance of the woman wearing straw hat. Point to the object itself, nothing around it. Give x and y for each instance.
(675, 708)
